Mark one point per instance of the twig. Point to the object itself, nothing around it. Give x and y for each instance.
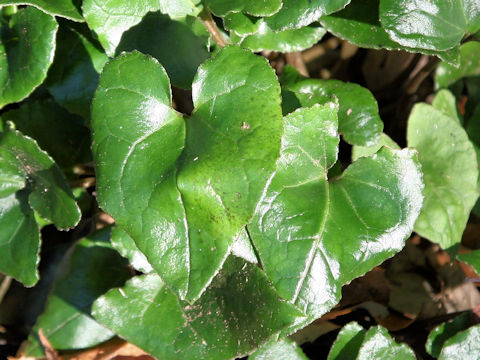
(50, 353)
(296, 60)
(7, 280)
(414, 83)
(212, 28)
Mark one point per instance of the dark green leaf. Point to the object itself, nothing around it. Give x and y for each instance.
(221, 174)
(19, 239)
(450, 171)
(27, 42)
(58, 132)
(472, 258)
(447, 74)
(301, 215)
(379, 345)
(242, 24)
(172, 43)
(359, 24)
(94, 268)
(222, 324)
(251, 7)
(429, 24)
(358, 118)
(365, 151)
(63, 8)
(443, 332)
(348, 342)
(283, 349)
(128, 249)
(110, 18)
(298, 13)
(462, 346)
(11, 178)
(285, 40)
(73, 76)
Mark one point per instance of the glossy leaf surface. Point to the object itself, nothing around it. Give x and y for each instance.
(429, 24)
(62, 8)
(378, 344)
(359, 24)
(49, 193)
(19, 239)
(110, 18)
(94, 268)
(180, 8)
(462, 346)
(126, 246)
(445, 102)
(27, 42)
(447, 74)
(365, 151)
(358, 118)
(220, 325)
(213, 190)
(298, 13)
(444, 151)
(283, 349)
(173, 43)
(67, 139)
(288, 40)
(73, 76)
(443, 332)
(348, 342)
(251, 7)
(314, 235)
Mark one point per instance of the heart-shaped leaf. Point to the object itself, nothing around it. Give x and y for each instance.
(110, 18)
(62, 8)
(185, 211)
(445, 152)
(314, 234)
(27, 42)
(220, 325)
(429, 24)
(94, 268)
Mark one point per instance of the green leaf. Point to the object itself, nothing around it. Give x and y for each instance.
(242, 24)
(445, 102)
(242, 247)
(283, 349)
(289, 40)
(206, 196)
(50, 195)
(94, 268)
(62, 8)
(58, 132)
(19, 239)
(444, 152)
(472, 258)
(110, 18)
(172, 43)
(73, 76)
(358, 118)
(302, 215)
(250, 7)
(462, 346)
(220, 325)
(366, 151)
(359, 24)
(27, 42)
(447, 74)
(180, 8)
(348, 342)
(443, 332)
(128, 249)
(429, 24)
(11, 179)
(378, 345)
(298, 13)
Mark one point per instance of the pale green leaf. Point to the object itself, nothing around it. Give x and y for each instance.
(128, 249)
(62, 8)
(447, 74)
(365, 151)
(462, 346)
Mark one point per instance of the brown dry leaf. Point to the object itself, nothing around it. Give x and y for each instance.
(373, 286)
(313, 331)
(115, 349)
(471, 236)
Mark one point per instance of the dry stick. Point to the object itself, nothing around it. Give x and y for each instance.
(212, 28)
(7, 280)
(414, 83)
(50, 353)
(296, 60)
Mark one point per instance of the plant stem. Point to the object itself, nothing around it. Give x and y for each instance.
(414, 83)
(212, 28)
(4, 286)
